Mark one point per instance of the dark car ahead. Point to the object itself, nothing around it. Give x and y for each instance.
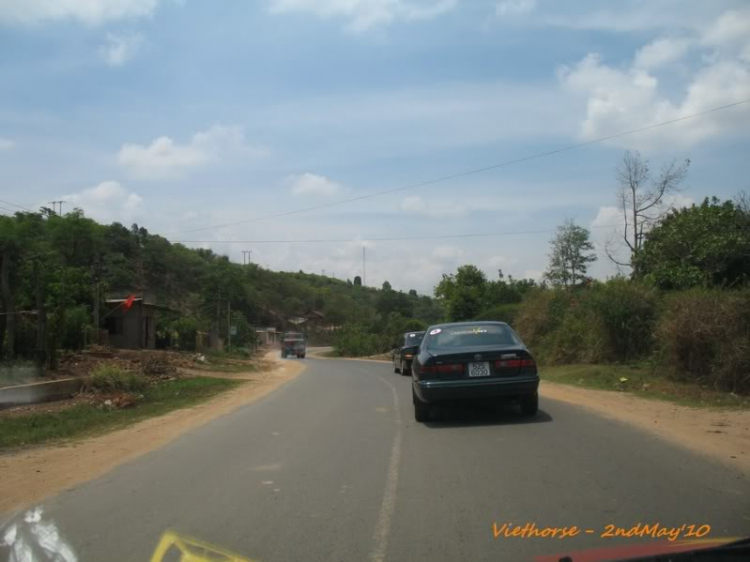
(473, 361)
(403, 355)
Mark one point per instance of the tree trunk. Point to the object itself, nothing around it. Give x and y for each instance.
(41, 320)
(10, 308)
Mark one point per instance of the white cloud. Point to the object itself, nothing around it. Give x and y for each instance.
(514, 7)
(6, 144)
(119, 49)
(165, 158)
(621, 99)
(660, 52)
(363, 15)
(90, 12)
(107, 202)
(313, 184)
(447, 252)
(415, 204)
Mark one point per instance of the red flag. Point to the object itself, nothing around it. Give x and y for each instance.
(129, 302)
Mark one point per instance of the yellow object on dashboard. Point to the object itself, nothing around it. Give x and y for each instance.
(171, 545)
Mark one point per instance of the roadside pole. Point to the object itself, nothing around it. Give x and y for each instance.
(229, 325)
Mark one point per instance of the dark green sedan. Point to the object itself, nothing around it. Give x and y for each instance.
(472, 362)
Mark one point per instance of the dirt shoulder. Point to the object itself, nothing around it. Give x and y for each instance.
(722, 435)
(31, 475)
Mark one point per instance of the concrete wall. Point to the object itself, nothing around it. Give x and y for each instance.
(39, 391)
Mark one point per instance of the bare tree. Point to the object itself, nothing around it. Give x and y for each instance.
(643, 200)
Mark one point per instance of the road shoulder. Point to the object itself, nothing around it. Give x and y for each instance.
(31, 475)
(722, 435)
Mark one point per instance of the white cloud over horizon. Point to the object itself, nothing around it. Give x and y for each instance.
(363, 15)
(313, 184)
(106, 202)
(164, 158)
(6, 144)
(89, 12)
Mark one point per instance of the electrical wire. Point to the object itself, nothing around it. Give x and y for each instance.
(469, 172)
(14, 205)
(382, 239)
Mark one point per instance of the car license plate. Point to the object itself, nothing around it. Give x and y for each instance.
(479, 369)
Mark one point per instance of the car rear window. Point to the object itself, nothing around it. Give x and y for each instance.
(292, 336)
(413, 338)
(471, 335)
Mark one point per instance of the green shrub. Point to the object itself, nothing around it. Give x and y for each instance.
(74, 324)
(354, 340)
(627, 312)
(705, 338)
(501, 313)
(110, 378)
(580, 338)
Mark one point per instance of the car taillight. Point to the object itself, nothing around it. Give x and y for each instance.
(451, 368)
(514, 363)
(408, 355)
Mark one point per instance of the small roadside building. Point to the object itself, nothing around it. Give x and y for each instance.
(130, 322)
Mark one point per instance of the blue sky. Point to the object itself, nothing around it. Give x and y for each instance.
(181, 115)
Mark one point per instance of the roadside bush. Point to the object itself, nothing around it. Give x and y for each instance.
(581, 337)
(110, 378)
(627, 312)
(354, 340)
(501, 313)
(74, 324)
(705, 338)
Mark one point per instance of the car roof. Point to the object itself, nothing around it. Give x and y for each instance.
(469, 323)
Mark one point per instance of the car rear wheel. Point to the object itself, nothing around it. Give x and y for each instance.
(404, 371)
(530, 404)
(421, 409)
(395, 369)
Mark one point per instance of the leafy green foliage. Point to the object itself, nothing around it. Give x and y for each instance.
(612, 321)
(70, 260)
(111, 378)
(571, 253)
(705, 245)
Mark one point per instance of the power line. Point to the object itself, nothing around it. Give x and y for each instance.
(383, 239)
(14, 205)
(471, 172)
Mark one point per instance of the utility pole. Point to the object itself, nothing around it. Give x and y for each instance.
(364, 265)
(97, 298)
(54, 207)
(246, 257)
(229, 324)
(41, 319)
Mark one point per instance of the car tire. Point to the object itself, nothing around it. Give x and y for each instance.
(404, 372)
(530, 404)
(421, 409)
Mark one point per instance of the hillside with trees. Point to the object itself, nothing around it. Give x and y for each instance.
(55, 271)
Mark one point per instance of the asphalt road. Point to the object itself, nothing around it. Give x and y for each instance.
(332, 466)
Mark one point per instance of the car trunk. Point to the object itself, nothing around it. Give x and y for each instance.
(510, 361)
